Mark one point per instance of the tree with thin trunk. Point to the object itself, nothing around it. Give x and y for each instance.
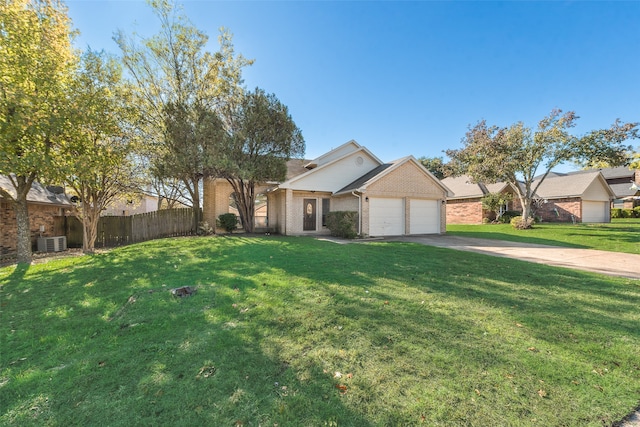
(37, 63)
(171, 70)
(517, 154)
(101, 143)
(262, 138)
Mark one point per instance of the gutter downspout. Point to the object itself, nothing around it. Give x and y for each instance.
(359, 212)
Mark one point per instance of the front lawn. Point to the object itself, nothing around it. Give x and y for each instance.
(621, 235)
(300, 332)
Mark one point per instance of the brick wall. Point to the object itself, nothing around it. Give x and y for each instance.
(38, 215)
(467, 211)
(561, 210)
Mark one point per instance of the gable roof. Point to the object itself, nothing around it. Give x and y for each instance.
(569, 185)
(618, 172)
(463, 187)
(347, 148)
(326, 160)
(370, 177)
(37, 194)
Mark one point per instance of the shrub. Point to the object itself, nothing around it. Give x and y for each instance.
(205, 229)
(636, 210)
(506, 217)
(616, 213)
(343, 224)
(228, 221)
(520, 223)
(627, 213)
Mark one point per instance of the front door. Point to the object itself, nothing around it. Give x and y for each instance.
(309, 222)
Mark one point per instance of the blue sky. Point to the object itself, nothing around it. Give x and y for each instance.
(409, 77)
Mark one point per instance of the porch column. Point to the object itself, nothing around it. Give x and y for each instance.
(289, 209)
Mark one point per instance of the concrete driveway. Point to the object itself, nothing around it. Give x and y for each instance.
(610, 263)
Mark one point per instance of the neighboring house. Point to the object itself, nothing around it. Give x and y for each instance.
(625, 184)
(44, 205)
(464, 206)
(395, 198)
(138, 204)
(581, 196)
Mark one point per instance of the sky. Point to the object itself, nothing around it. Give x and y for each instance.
(409, 77)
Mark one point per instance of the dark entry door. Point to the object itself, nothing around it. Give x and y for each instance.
(309, 223)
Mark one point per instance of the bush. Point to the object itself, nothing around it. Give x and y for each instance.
(616, 213)
(343, 224)
(205, 229)
(506, 217)
(627, 213)
(636, 210)
(520, 223)
(228, 221)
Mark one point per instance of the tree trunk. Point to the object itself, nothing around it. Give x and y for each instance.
(90, 218)
(196, 205)
(23, 245)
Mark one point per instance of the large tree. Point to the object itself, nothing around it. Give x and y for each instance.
(37, 63)
(436, 166)
(262, 138)
(174, 74)
(518, 154)
(101, 142)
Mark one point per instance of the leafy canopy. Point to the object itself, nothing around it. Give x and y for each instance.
(516, 154)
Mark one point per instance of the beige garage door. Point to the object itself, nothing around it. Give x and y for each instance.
(595, 211)
(424, 216)
(386, 217)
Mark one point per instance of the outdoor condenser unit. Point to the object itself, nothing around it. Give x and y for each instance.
(52, 244)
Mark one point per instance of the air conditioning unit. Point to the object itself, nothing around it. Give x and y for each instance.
(52, 244)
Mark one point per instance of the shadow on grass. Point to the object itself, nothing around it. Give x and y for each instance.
(292, 331)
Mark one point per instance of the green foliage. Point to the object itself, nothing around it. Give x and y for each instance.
(228, 221)
(37, 63)
(100, 147)
(517, 154)
(492, 202)
(616, 213)
(262, 138)
(343, 224)
(301, 332)
(628, 213)
(507, 216)
(436, 166)
(521, 223)
(180, 88)
(636, 211)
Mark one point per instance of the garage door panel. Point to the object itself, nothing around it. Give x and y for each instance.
(386, 217)
(424, 217)
(594, 211)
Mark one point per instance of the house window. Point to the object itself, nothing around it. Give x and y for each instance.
(326, 204)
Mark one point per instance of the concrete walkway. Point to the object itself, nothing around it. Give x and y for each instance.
(604, 262)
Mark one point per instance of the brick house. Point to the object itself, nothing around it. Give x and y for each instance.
(581, 196)
(464, 206)
(44, 206)
(394, 198)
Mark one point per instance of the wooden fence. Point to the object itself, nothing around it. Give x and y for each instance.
(124, 230)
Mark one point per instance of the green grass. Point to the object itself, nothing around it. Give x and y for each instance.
(420, 336)
(621, 235)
